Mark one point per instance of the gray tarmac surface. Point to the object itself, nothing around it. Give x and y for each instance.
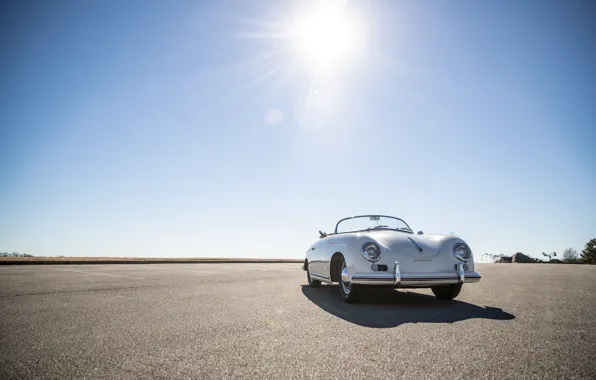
(225, 321)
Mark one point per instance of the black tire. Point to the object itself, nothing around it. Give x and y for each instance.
(446, 292)
(348, 292)
(312, 283)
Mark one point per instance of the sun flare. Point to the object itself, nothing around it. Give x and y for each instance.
(327, 34)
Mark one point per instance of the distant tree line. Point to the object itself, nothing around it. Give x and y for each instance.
(15, 254)
(570, 256)
(589, 253)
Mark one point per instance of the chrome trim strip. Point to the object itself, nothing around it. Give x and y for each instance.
(403, 278)
(319, 275)
(460, 273)
(378, 281)
(387, 278)
(397, 279)
(396, 274)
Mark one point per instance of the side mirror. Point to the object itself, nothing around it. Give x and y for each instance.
(420, 232)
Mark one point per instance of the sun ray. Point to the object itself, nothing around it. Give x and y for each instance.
(271, 25)
(254, 60)
(269, 36)
(320, 42)
(266, 75)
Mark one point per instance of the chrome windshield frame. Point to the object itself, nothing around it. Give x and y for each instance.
(368, 216)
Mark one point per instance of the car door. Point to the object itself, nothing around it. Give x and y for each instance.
(318, 255)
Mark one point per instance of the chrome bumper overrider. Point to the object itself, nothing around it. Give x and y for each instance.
(416, 279)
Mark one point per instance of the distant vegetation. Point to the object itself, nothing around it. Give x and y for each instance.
(15, 254)
(589, 253)
(570, 256)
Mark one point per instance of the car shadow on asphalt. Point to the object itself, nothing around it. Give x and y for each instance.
(386, 308)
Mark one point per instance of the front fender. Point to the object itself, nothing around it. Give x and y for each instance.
(350, 250)
(446, 251)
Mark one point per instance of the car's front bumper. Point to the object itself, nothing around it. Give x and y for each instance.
(398, 279)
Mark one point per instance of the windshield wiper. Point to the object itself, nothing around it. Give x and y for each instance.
(375, 227)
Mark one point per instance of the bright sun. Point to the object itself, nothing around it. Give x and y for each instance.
(327, 34)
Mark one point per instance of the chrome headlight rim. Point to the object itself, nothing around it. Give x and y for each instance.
(458, 256)
(365, 253)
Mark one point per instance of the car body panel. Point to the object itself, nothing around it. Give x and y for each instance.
(423, 260)
(317, 256)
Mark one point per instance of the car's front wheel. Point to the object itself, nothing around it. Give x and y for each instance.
(446, 292)
(347, 290)
(312, 283)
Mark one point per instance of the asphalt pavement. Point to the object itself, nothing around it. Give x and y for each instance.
(261, 321)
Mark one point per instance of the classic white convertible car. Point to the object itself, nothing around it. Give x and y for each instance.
(381, 250)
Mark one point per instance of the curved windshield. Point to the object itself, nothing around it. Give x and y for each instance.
(370, 223)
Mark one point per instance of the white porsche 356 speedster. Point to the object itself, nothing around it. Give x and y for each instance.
(378, 250)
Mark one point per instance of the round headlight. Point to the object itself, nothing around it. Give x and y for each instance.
(462, 252)
(371, 251)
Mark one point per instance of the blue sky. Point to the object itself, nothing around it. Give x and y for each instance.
(196, 128)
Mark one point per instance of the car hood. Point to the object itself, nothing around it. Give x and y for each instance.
(408, 244)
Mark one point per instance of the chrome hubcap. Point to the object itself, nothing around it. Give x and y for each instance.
(345, 286)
